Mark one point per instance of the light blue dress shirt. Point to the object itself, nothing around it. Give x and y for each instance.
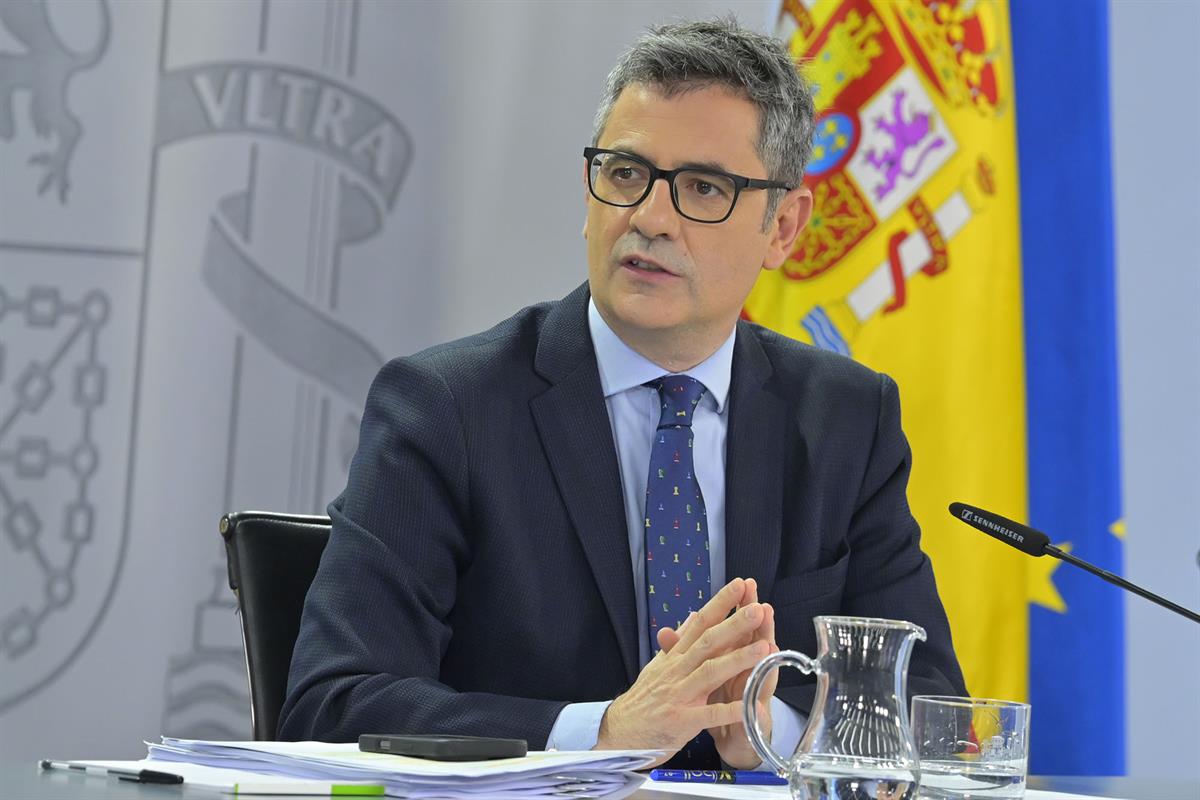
(633, 412)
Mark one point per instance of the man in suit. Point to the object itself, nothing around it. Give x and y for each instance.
(585, 526)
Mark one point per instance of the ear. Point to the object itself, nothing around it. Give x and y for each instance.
(790, 218)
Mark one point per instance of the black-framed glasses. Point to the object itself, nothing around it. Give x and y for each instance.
(701, 195)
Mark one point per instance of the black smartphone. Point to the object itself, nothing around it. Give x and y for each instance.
(443, 748)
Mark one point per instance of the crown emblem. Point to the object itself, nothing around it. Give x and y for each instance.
(954, 44)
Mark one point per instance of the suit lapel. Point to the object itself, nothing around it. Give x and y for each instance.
(754, 465)
(572, 421)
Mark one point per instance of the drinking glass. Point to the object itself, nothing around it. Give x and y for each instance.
(971, 747)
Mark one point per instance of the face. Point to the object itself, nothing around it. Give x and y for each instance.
(656, 275)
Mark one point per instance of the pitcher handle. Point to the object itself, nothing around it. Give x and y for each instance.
(789, 658)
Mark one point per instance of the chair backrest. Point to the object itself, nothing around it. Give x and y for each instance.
(272, 560)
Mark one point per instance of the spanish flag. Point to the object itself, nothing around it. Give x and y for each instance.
(961, 242)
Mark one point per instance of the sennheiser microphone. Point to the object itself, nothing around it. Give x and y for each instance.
(1035, 543)
(1022, 537)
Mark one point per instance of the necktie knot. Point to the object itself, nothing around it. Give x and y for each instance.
(680, 394)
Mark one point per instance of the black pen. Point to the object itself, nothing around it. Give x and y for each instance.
(131, 775)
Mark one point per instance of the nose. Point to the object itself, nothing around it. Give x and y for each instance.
(656, 216)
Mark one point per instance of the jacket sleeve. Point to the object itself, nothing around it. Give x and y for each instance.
(374, 628)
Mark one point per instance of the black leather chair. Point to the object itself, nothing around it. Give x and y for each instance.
(272, 560)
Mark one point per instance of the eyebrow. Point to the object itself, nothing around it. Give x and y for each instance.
(710, 166)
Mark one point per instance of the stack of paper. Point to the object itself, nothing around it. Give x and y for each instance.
(607, 773)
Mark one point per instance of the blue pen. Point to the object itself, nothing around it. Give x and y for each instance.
(744, 777)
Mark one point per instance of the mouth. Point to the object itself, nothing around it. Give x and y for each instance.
(645, 266)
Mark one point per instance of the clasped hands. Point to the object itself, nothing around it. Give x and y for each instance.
(696, 681)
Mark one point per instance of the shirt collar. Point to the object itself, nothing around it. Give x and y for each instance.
(623, 368)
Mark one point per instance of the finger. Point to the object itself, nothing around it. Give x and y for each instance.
(766, 631)
(713, 715)
(714, 672)
(668, 638)
(734, 632)
(749, 597)
(713, 612)
(768, 635)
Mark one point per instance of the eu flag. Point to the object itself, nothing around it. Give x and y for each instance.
(1076, 656)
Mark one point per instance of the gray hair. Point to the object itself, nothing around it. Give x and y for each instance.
(682, 57)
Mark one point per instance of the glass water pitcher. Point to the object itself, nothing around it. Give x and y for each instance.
(858, 743)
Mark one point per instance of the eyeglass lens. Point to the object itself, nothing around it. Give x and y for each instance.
(623, 181)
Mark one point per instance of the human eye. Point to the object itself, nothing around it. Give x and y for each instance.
(622, 170)
(707, 187)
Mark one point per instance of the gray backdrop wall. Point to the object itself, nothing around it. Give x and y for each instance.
(1155, 71)
(247, 205)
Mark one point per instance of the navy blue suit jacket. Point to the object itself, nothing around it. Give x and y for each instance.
(478, 575)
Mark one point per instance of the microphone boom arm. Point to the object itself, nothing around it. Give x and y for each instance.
(1117, 580)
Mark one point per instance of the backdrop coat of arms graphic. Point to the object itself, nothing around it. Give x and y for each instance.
(185, 287)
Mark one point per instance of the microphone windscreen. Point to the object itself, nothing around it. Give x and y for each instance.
(1022, 537)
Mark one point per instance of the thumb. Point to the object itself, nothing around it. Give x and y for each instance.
(667, 638)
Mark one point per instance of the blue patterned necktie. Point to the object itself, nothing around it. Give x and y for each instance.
(676, 525)
(677, 572)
